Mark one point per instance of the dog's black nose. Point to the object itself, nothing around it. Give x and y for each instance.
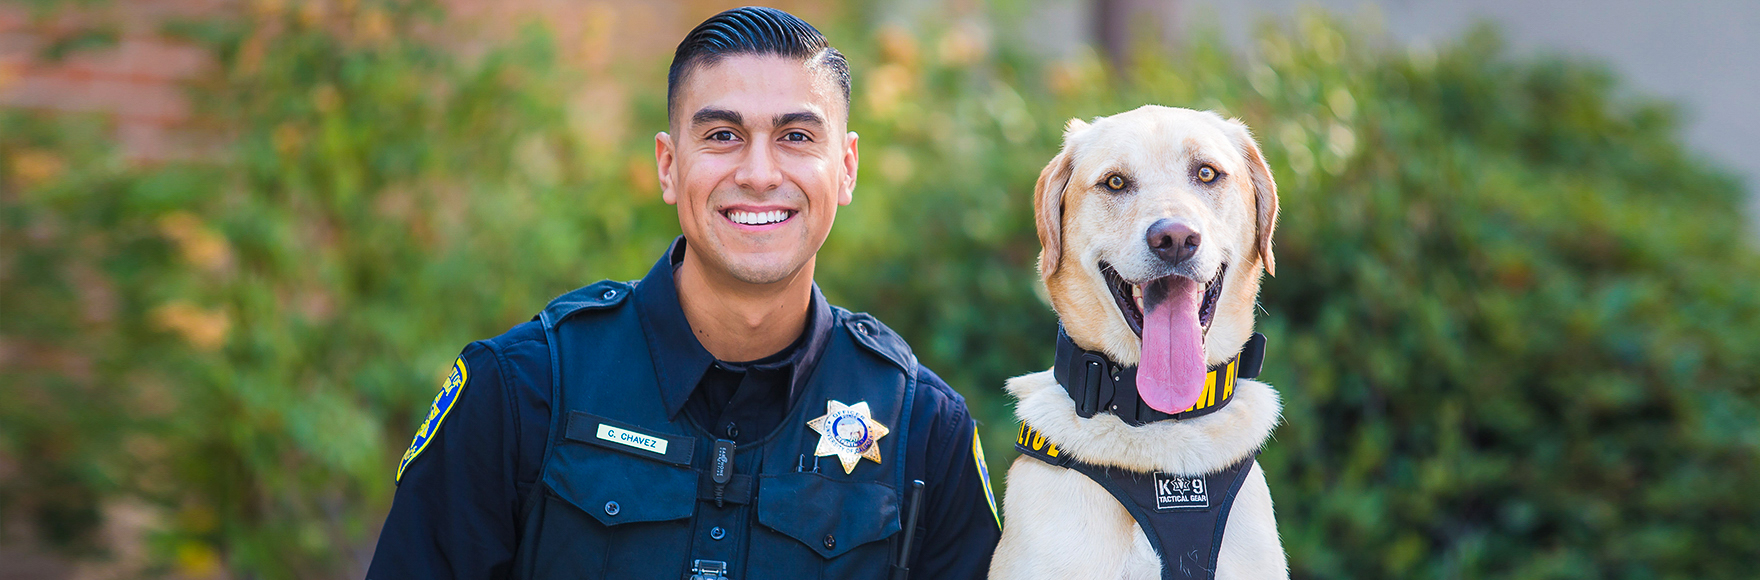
(1173, 241)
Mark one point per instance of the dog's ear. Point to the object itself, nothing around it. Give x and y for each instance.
(1048, 202)
(1264, 194)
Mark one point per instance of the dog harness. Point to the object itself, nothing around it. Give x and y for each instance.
(1183, 516)
(1097, 384)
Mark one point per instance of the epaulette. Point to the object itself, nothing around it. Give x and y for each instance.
(875, 336)
(596, 296)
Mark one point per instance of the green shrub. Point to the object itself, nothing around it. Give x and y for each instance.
(1513, 323)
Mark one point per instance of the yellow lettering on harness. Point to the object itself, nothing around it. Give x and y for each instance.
(1036, 441)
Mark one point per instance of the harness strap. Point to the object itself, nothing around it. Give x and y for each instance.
(1182, 516)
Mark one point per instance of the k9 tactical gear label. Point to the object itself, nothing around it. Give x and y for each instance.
(1176, 492)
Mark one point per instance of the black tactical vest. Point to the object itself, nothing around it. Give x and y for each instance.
(1182, 515)
(629, 493)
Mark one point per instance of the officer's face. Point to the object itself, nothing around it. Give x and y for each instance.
(757, 162)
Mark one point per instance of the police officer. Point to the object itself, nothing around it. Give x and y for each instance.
(717, 418)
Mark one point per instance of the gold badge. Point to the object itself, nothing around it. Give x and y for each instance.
(849, 432)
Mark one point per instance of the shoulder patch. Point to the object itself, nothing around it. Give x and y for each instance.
(984, 474)
(442, 403)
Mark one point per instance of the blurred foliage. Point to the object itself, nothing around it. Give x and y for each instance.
(1513, 327)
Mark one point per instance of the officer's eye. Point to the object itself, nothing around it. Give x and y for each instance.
(1115, 182)
(1207, 174)
(722, 135)
(796, 137)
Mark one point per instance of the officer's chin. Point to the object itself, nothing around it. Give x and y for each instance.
(763, 274)
(762, 258)
(761, 268)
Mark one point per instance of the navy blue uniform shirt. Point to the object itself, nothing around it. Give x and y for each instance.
(460, 503)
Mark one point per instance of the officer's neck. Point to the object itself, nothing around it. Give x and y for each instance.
(736, 321)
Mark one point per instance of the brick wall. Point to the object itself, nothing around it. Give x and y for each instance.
(136, 79)
(133, 78)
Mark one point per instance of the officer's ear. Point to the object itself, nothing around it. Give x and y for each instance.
(1048, 201)
(852, 158)
(663, 160)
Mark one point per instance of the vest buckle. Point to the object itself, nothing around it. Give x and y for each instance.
(708, 570)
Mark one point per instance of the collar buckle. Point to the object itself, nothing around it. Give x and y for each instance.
(1093, 374)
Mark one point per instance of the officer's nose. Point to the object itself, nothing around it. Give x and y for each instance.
(759, 171)
(1173, 241)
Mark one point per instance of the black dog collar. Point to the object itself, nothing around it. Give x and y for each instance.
(1097, 384)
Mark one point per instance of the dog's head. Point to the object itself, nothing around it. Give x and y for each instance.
(1155, 224)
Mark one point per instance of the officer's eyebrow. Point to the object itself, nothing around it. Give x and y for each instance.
(804, 118)
(707, 116)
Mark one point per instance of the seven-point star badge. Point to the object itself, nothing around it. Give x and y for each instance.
(849, 432)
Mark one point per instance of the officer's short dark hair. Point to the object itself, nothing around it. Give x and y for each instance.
(754, 30)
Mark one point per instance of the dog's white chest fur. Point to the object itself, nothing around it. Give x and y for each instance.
(1060, 524)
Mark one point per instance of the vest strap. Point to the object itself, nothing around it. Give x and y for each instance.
(1097, 384)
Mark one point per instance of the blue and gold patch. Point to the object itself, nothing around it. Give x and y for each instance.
(984, 473)
(437, 413)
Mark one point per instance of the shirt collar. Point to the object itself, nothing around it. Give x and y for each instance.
(680, 360)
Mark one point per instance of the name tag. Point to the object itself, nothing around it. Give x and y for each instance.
(638, 440)
(632, 439)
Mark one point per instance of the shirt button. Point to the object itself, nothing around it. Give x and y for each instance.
(609, 294)
(611, 508)
(717, 533)
(830, 542)
(732, 431)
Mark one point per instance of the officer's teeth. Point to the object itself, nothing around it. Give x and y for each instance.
(757, 218)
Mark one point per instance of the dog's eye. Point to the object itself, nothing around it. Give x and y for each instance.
(1206, 174)
(1115, 183)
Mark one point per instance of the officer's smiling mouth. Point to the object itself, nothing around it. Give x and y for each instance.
(758, 218)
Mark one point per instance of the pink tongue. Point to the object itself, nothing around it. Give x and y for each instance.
(1171, 375)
